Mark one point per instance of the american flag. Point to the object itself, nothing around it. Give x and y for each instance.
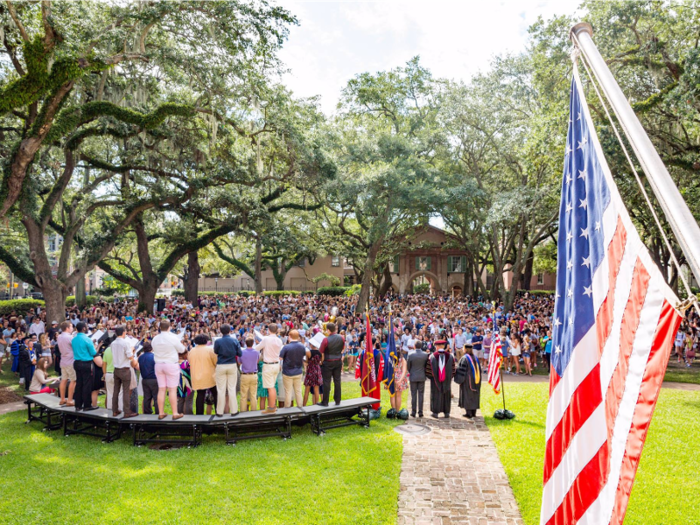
(495, 360)
(614, 323)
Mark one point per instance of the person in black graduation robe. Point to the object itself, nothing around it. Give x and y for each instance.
(441, 365)
(470, 388)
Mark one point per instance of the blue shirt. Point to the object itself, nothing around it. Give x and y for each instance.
(147, 365)
(292, 355)
(227, 348)
(83, 349)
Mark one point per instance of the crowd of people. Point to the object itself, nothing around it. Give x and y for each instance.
(227, 354)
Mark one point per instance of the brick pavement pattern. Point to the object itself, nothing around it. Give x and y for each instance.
(453, 474)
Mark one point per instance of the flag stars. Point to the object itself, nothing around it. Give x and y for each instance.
(557, 322)
(571, 322)
(588, 291)
(584, 204)
(582, 174)
(597, 226)
(557, 350)
(569, 236)
(570, 293)
(584, 233)
(569, 265)
(582, 143)
(568, 149)
(586, 262)
(569, 207)
(568, 178)
(578, 116)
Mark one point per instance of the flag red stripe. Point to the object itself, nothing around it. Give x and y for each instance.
(583, 491)
(669, 321)
(584, 401)
(628, 331)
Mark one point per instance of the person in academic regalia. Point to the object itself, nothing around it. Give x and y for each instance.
(470, 387)
(441, 365)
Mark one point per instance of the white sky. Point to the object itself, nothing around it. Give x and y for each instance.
(455, 39)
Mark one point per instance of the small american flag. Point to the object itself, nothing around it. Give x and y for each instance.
(495, 361)
(613, 326)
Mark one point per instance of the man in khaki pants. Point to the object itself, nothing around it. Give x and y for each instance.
(269, 347)
(292, 355)
(249, 375)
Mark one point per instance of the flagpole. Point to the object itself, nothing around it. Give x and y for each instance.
(681, 220)
(503, 386)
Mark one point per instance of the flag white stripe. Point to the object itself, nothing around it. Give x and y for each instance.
(601, 509)
(623, 289)
(584, 446)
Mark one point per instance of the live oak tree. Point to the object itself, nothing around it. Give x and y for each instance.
(87, 72)
(386, 142)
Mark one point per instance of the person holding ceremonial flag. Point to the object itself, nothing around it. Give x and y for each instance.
(370, 368)
(395, 380)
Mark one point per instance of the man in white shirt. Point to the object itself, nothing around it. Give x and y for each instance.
(123, 360)
(166, 347)
(37, 327)
(269, 348)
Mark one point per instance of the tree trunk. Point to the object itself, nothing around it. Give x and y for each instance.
(386, 281)
(192, 277)
(55, 299)
(367, 274)
(526, 276)
(280, 274)
(258, 267)
(147, 295)
(80, 299)
(468, 287)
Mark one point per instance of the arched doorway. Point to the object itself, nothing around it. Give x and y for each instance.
(424, 282)
(456, 290)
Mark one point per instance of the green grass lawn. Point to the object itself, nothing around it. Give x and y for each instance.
(663, 492)
(350, 475)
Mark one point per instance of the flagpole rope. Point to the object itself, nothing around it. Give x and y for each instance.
(688, 291)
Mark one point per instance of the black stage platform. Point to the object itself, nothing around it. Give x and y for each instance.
(148, 429)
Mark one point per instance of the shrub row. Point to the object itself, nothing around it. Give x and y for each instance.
(89, 300)
(19, 306)
(281, 293)
(332, 290)
(537, 292)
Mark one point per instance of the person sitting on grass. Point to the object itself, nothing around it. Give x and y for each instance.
(41, 380)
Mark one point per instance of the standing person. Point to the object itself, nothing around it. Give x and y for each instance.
(65, 348)
(228, 351)
(37, 327)
(415, 366)
(525, 348)
(469, 373)
(202, 369)
(269, 348)
(441, 364)
(26, 361)
(83, 354)
(515, 349)
(149, 381)
(249, 375)
(477, 346)
(166, 348)
(292, 355)
(185, 394)
(460, 341)
(314, 378)
(332, 351)
(400, 381)
(123, 360)
(548, 349)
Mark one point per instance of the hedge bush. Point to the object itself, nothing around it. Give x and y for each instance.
(281, 293)
(19, 306)
(89, 300)
(537, 292)
(332, 290)
(353, 290)
(246, 293)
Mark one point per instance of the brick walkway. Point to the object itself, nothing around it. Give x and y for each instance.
(453, 475)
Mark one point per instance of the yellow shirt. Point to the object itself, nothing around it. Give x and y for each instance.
(202, 367)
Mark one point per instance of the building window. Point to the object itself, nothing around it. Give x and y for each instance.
(301, 263)
(394, 265)
(335, 261)
(540, 278)
(423, 264)
(456, 263)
